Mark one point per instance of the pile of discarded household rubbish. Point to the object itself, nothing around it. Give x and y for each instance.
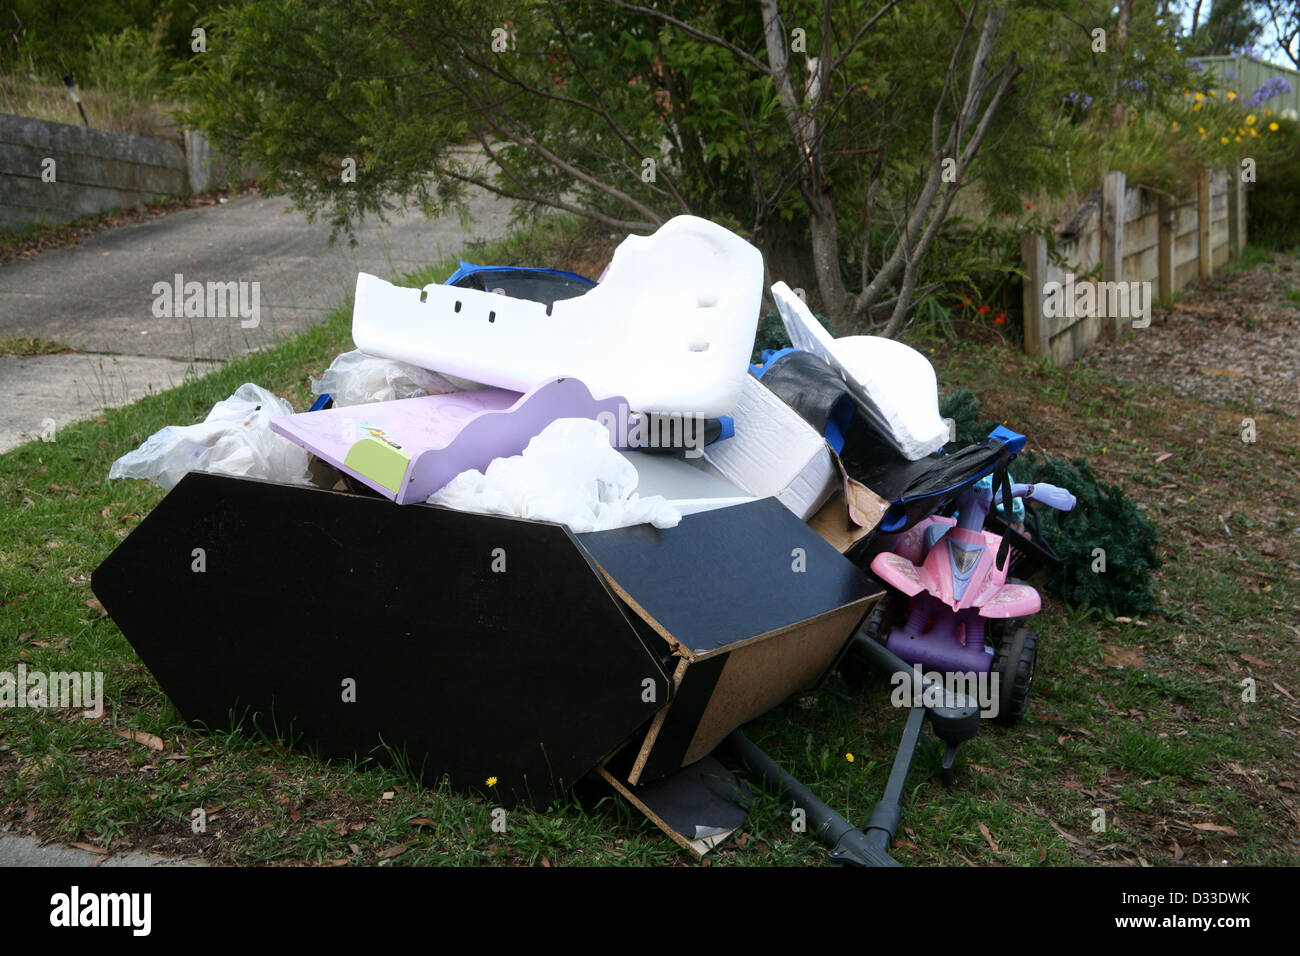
(537, 528)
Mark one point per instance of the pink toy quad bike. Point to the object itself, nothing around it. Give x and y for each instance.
(955, 574)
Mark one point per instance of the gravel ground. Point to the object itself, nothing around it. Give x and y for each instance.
(1233, 340)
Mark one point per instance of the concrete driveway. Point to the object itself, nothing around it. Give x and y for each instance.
(100, 298)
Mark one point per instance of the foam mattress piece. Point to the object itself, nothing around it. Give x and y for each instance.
(671, 326)
(894, 381)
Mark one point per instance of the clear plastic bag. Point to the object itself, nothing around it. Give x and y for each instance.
(355, 378)
(235, 439)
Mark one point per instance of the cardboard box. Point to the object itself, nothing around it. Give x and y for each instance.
(775, 452)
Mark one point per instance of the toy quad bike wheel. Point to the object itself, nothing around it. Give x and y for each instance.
(1014, 664)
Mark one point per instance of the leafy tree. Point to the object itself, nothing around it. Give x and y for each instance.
(836, 136)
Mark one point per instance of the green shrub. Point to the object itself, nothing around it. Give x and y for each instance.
(771, 334)
(964, 409)
(1104, 518)
(1273, 205)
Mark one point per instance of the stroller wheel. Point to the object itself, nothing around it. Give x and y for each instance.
(1014, 665)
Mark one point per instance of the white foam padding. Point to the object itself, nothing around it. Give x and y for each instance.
(889, 377)
(671, 326)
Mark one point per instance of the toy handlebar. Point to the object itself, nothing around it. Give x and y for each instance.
(1050, 495)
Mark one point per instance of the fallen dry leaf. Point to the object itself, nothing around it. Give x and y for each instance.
(151, 741)
(989, 836)
(394, 852)
(1177, 851)
(1118, 656)
(94, 604)
(1214, 828)
(1070, 837)
(91, 848)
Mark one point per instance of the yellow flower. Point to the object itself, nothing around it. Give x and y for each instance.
(1232, 94)
(1273, 127)
(491, 781)
(1213, 93)
(1268, 112)
(1201, 130)
(1238, 139)
(1199, 96)
(849, 757)
(1253, 134)
(1223, 140)
(1175, 126)
(1250, 119)
(1197, 107)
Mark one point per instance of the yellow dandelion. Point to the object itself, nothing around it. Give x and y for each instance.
(1254, 135)
(1250, 119)
(1232, 94)
(1238, 139)
(1223, 140)
(1273, 127)
(491, 781)
(849, 757)
(1201, 130)
(1199, 96)
(1213, 93)
(1197, 107)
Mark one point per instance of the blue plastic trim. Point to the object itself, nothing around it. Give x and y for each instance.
(1014, 441)
(469, 269)
(768, 359)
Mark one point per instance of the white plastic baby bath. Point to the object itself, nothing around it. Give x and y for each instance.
(671, 326)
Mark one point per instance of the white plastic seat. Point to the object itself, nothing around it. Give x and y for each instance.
(671, 326)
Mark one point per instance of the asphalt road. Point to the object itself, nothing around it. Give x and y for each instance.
(100, 298)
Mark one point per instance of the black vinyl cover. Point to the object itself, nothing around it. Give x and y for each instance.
(915, 489)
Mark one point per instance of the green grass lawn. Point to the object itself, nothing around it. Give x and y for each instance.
(1142, 720)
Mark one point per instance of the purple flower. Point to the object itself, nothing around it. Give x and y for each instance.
(1273, 86)
(1079, 102)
